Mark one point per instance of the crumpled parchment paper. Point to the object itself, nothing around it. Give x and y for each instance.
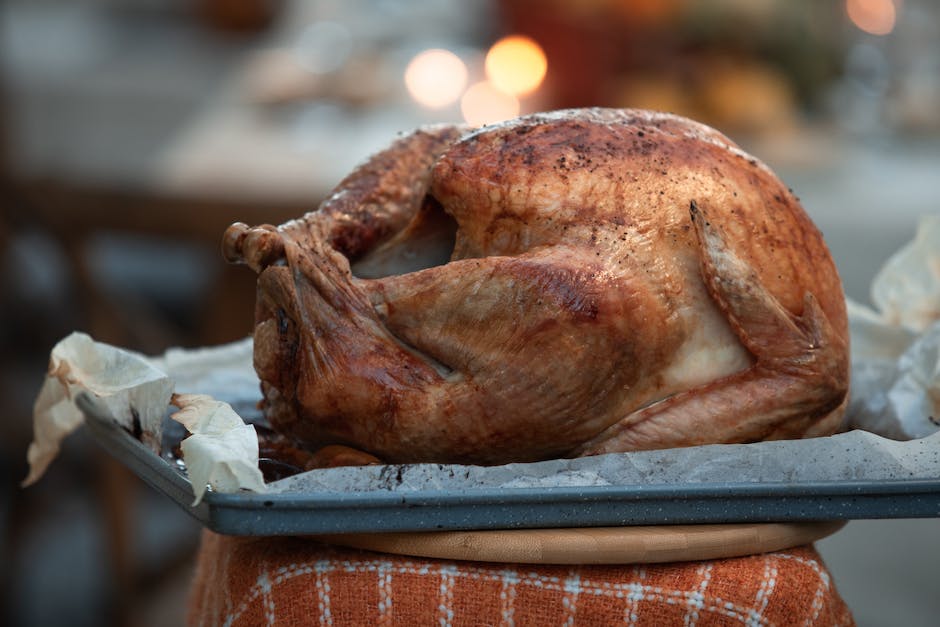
(895, 387)
(222, 451)
(134, 392)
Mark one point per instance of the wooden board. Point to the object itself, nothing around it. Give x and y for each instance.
(600, 545)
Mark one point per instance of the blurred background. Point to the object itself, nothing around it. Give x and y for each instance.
(132, 132)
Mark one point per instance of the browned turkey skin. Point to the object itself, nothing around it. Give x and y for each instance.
(562, 284)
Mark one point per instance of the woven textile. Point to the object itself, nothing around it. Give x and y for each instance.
(291, 581)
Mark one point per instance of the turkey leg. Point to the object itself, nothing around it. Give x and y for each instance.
(377, 200)
(424, 367)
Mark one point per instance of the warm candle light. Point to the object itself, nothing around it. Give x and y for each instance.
(516, 65)
(876, 17)
(483, 104)
(435, 78)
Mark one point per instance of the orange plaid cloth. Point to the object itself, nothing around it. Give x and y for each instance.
(292, 581)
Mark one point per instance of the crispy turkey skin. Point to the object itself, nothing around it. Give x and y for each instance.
(562, 284)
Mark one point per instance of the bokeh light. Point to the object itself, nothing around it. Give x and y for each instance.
(516, 65)
(876, 17)
(435, 78)
(483, 103)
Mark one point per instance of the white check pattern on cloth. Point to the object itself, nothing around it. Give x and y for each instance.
(571, 589)
(697, 599)
(384, 573)
(446, 607)
(322, 585)
(634, 597)
(767, 585)
(509, 580)
(820, 591)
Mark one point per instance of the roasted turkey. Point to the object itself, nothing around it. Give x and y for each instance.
(562, 284)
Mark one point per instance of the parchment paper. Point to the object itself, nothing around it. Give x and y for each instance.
(857, 455)
(895, 387)
(221, 451)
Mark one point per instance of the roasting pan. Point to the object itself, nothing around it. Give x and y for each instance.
(326, 512)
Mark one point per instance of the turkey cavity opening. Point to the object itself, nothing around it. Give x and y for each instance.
(427, 241)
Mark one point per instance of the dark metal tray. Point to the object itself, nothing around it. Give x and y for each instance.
(487, 508)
